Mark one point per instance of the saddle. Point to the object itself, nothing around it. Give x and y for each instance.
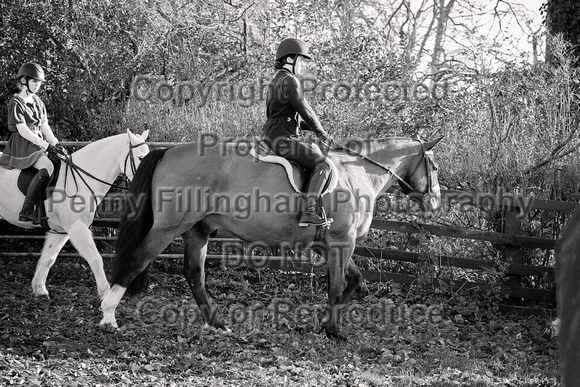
(298, 177)
(24, 179)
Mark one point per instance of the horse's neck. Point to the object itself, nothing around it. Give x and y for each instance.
(393, 153)
(101, 157)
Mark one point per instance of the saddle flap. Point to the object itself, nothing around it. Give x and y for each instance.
(296, 175)
(26, 176)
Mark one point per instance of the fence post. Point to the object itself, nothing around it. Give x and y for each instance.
(512, 224)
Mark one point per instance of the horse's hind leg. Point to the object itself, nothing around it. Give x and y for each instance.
(354, 280)
(152, 245)
(82, 240)
(195, 248)
(52, 245)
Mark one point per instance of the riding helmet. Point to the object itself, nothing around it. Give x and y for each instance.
(31, 70)
(292, 46)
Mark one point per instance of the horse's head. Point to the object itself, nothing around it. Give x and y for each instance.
(137, 150)
(421, 181)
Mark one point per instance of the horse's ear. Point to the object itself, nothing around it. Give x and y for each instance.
(432, 143)
(144, 135)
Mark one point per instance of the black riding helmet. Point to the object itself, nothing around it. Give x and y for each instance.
(30, 71)
(292, 46)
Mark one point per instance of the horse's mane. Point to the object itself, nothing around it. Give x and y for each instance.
(370, 146)
(103, 141)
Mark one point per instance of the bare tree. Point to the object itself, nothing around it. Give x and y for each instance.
(473, 35)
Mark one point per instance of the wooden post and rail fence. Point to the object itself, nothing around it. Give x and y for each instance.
(513, 242)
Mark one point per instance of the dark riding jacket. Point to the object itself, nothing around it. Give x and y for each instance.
(287, 110)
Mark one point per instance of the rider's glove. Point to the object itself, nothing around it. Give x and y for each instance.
(61, 150)
(51, 149)
(327, 139)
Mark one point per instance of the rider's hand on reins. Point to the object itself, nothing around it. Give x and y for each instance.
(61, 150)
(52, 151)
(329, 141)
(57, 152)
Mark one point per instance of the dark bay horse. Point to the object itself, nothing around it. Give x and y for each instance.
(191, 190)
(568, 294)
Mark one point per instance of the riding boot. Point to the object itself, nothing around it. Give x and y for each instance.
(33, 194)
(316, 184)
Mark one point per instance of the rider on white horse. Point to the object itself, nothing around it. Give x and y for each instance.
(288, 111)
(31, 137)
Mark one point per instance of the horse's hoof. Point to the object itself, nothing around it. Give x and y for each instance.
(219, 328)
(41, 296)
(335, 335)
(106, 323)
(222, 327)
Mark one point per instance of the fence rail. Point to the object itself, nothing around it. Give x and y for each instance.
(105, 219)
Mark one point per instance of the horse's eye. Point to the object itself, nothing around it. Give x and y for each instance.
(141, 158)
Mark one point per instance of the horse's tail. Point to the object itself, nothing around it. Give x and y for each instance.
(136, 221)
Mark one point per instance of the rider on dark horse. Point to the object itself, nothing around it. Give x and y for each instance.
(288, 112)
(31, 136)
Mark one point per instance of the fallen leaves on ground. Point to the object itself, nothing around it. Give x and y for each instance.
(162, 341)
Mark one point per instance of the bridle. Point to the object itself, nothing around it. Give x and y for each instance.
(131, 158)
(427, 158)
(78, 171)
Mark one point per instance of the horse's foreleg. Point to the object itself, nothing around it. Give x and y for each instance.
(338, 257)
(195, 248)
(82, 240)
(354, 280)
(52, 246)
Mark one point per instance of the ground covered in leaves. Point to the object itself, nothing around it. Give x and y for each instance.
(274, 337)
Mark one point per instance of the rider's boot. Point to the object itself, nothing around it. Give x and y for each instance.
(316, 184)
(35, 190)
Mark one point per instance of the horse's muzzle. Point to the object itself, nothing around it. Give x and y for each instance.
(430, 204)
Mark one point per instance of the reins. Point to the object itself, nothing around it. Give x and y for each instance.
(67, 159)
(425, 196)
